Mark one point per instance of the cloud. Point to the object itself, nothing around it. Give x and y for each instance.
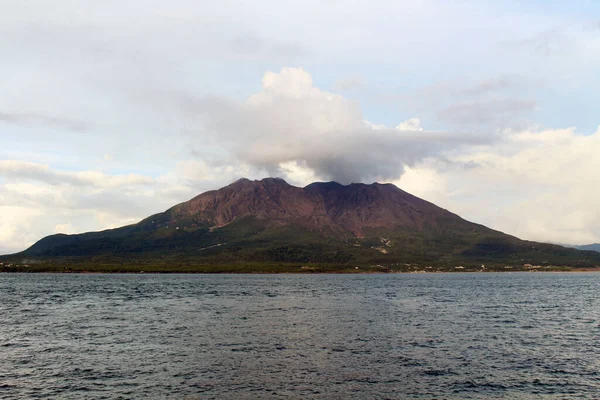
(292, 121)
(535, 184)
(23, 170)
(411, 125)
(495, 114)
(67, 228)
(17, 227)
(485, 105)
(43, 120)
(30, 171)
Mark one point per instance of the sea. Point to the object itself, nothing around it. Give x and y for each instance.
(380, 336)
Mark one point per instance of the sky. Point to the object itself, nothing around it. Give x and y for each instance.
(111, 111)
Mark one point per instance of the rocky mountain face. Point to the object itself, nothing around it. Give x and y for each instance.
(322, 205)
(270, 199)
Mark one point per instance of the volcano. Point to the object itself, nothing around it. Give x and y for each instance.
(271, 221)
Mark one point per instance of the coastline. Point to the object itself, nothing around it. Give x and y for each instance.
(190, 266)
(215, 269)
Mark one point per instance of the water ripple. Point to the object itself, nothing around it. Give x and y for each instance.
(446, 336)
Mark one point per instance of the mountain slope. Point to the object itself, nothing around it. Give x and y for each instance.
(590, 247)
(271, 221)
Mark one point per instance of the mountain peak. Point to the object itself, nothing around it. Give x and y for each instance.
(268, 180)
(321, 185)
(274, 180)
(327, 185)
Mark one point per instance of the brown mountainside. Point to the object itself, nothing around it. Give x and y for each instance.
(351, 209)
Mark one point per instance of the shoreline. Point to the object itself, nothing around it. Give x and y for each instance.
(72, 266)
(325, 272)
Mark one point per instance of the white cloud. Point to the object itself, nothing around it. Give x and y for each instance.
(422, 181)
(37, 119)
(67, 228)
(297, 173)
(17, 227)
(20, 171)
(413, 124)
(538, 185)
(292, 121)
(108, 220)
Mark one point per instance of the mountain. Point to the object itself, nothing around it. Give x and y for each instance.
(270, 221)
(590, 247)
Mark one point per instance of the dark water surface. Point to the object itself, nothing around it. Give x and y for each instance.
(455, 336)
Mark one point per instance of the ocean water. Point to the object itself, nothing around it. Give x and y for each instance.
(401, 336)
